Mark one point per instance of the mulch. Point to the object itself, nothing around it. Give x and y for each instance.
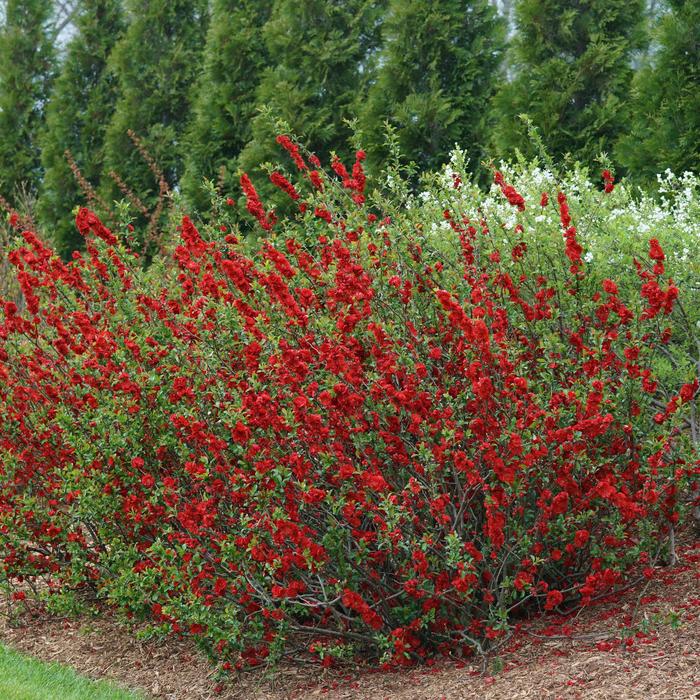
(643, 643)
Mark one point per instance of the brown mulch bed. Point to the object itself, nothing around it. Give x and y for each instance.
(643, 643)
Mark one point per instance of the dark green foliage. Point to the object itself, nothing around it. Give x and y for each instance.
(438, 73)
(224, 107)
(81, 106)
(156, 64)
(320, 56)
(26, 73)
(571, 64)
(665, 130)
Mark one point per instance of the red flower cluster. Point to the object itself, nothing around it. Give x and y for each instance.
(573, 248)
(280, 181)
(609, 181)
(357, 181)
(293, 151)
(254, 205)
(509, 192)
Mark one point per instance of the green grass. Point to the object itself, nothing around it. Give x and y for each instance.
(22, 678)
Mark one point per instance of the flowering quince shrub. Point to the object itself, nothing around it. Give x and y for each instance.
(352, 437)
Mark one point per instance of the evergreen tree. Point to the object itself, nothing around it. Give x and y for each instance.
(26, 73)
(665, 131)
(438, 74)
(572, 69)
(224, 107)
(155, 63)
(320, 56)
(81, 105)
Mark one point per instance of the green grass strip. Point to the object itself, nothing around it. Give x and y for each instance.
(23, 678)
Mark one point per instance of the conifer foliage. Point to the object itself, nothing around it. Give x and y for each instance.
(437, 75)
(572, 68)
(234, 58)
(666, 123)
(26, 73)
(81, 106)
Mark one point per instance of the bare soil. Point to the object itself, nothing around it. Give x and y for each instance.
(641, 644)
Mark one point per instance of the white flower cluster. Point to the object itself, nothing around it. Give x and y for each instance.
(611, 227)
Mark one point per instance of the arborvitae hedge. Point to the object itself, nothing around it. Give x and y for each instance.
(665, 129)
(193, 92)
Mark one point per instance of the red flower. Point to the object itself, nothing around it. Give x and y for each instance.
(293, 151)
(573, 248)
(554, 598)
(580, 538)
(560, 503)
(316, 180)
(610, 287)
(609, 181)
(484, 388)
(510, 193)
(280, 181)
(655, 251)
(688, 391)
(87, 221)
(254, 205)
(564, 210)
